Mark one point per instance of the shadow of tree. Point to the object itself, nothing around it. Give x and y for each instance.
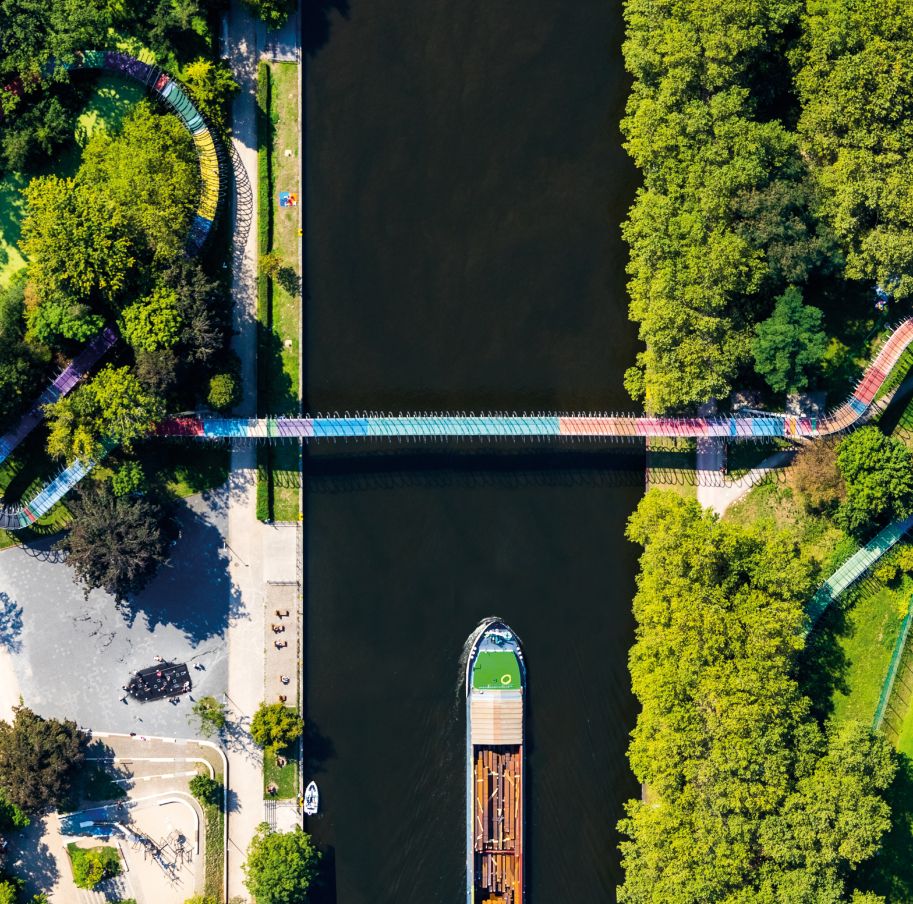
(315, 22)
(31, 860)
(891, 872)
(10, 623)
(289, 280)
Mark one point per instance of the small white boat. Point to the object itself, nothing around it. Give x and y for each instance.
(311, 799)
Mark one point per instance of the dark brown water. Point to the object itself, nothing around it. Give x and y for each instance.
(465, 185)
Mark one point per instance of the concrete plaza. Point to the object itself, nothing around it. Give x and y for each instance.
(71, 655)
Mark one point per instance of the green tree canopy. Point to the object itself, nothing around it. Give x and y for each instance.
(19, 368)
(789, 346)
(150, 174)
(212, 87)
(206, 790)
(878, 472)
(721, 222)
(275, 725)
(274, 13)
(281, 866)
(39, 759)
(76, 238)
(154, 322)
(116, 543)
(748, 798)
(111, 407)
(855, 81)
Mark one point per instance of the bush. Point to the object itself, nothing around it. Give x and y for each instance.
(11, 816)
(274, 13)
(93, 865)
(128, 478)
(206, 790)
(224, 391)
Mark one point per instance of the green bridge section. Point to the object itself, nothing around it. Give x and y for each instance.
(855, 568)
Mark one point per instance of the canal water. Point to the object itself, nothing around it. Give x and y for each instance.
(465, 183)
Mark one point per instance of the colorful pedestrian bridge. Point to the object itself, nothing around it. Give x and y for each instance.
(214, 178)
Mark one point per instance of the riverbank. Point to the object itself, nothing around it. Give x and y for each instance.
(279, 292)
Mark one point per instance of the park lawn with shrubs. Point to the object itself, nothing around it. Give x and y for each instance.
(279, 294)
(284, 777)
(774, 505)
(870, 623)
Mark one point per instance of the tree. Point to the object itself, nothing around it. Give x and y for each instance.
(212, 88)
(204, 308)
(18, 366)
(224, 391)
(275, 726)
(211, 715)
(149, 174)
(76, 238)
(9, 892)
(206, 790)
(59, 317)
(116, 543)
(722, 218)
(112, 407)
(154, 322)
(281, 866)
(750, 799)
(878, 471)
(274, 13)
(128, 479)
(814, 475)
(790, 345)
(39, 759)
(855, 83)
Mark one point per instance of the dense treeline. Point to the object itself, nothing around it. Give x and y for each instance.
(103, 229)
(721, 224)
(748, 798)
(855, 82)
(774, 140)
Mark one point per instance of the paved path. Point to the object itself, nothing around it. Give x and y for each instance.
(246, 38)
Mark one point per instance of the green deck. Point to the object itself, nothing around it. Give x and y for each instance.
(496, 669)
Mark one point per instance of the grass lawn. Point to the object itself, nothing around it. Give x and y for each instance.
(186, 468)
(11, 205)
(871, 623)
(285, 777)
(279, 304)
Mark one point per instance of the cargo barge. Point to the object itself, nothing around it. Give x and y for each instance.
(495, 769)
